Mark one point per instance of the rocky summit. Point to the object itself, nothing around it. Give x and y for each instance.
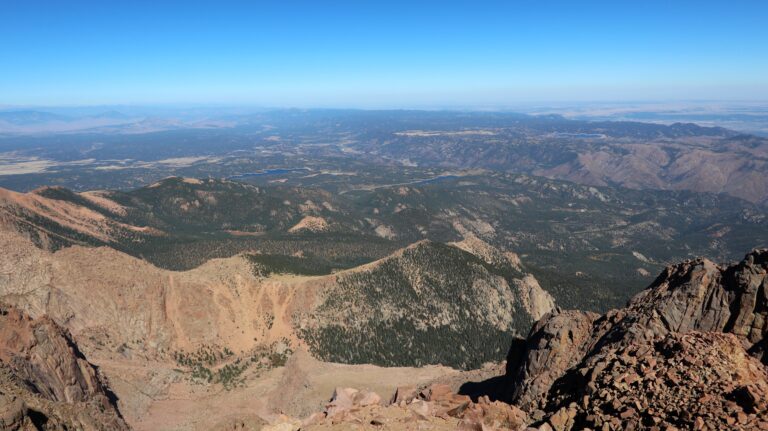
(686, 353)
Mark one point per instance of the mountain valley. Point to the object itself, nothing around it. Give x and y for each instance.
(506, 285)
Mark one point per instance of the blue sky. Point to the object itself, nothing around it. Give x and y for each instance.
(380, 54)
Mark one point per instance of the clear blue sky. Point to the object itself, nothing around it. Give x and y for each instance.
(380, 54)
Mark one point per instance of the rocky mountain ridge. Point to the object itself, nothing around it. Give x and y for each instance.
(438, 300)
(115, 304)
(591, 248)
(686, 353)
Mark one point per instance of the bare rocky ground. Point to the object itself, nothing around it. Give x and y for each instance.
(154, 397)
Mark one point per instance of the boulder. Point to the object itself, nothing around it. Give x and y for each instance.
(404, 394)
(345, 400)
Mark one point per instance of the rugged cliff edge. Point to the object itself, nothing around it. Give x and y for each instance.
(45, 382)
(687, 352)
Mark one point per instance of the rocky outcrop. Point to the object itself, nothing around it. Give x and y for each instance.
(535, 300)
(701, 296)
(696, 380)
(435, 407)
(310, 224)
(45, 380)
(556, 344)
(346, 399)
(684, 353)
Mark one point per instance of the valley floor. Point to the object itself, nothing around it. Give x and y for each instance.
(155, 396)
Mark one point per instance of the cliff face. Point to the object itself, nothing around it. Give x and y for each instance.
(688, 352)
(701, 296)
(45, 382)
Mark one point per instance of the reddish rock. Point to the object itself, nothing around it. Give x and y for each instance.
(555, 344)
(438, 392)
(685, 353)
(42, 371)
(345, 400)
(404, 394)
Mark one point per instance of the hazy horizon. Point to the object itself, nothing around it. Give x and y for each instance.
(743, 116)
(515, 107)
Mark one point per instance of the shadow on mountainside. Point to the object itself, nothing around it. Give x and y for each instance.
(498, 388)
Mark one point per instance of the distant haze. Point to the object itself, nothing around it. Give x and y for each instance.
(747, 117)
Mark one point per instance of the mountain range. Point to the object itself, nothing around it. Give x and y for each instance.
(326, 270)
(680, 156)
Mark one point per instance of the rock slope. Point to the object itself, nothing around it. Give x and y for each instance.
(135, 320)
(434, 407)
(45, 382)
(686, 353)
